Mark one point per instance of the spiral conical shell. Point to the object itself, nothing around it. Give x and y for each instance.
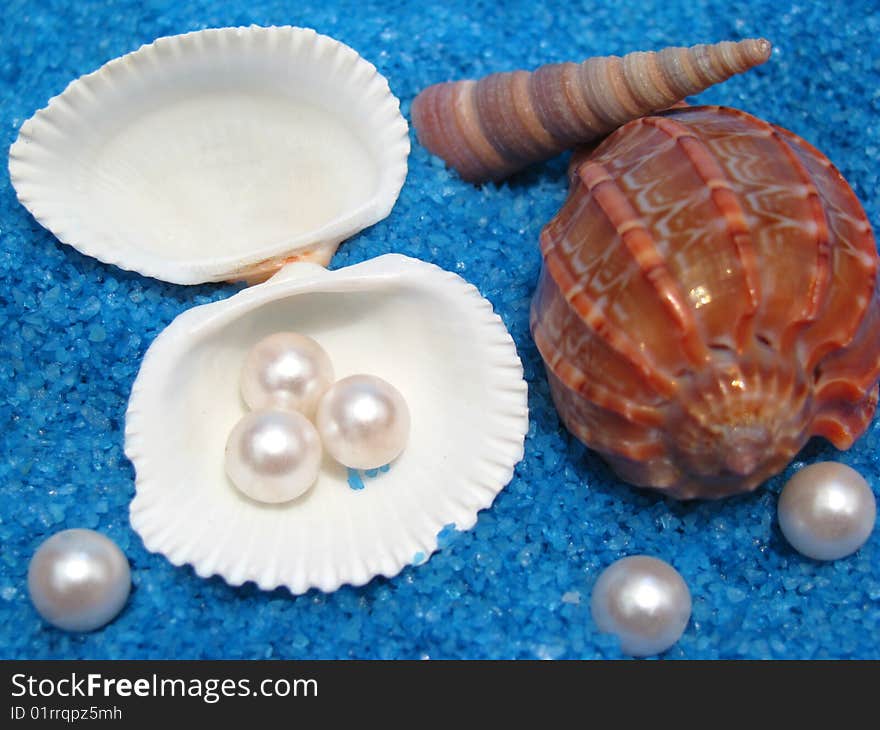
(489, 129)
(708, 302)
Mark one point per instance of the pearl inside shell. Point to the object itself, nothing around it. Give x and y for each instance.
(827, 511)
(286, 371)
(79, 580)
(273, 456)
(644, 602)
(363, 421)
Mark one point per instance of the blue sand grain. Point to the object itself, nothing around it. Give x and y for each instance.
(447, 535)
(354, 479)
(517, 585)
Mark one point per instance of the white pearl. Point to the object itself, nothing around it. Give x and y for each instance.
(644, 602)
(827, 511)
(363, 421)
(79, 580)
(273, 456)
(286, 371)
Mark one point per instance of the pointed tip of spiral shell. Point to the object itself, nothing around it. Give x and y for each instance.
(758, 49)
(490, 128)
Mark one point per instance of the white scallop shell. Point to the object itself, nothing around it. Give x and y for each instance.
(423, 329)
(216, 155)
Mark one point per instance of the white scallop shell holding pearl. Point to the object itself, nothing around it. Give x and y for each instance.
(216, 155)
(425, 330)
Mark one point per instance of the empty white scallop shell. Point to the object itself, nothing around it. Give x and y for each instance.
(423, 329)
(216, 155)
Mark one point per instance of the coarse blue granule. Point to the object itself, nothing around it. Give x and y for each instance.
(354, 480)
(447, 535)
(518, 583)
(356, 476)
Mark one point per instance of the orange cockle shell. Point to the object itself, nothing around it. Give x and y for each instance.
(708, 302)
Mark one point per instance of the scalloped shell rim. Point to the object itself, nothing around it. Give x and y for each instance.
(478, 478)
(45, 142)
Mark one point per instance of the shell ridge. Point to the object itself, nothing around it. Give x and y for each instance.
(860, 246)
(641, 245)
(383, 561)
(585, 425)
(584, 120)
(726, 58)
(236, 566)
(483, 143)
(675, 70)
(626, 103)
(832, 427)
(842, 425)
(541, 142)
(843, 388)
(506, 132)
(598, 118)
(784, 341)
(590, 311)
(820, 284)
(551, 88)
(543, 108)
(650, 84)
(819, 351)
(472, 129)
(707, 64)
(821, 280)
(587, 344)
(594, 318)
(577, 381)
(725, 200)
(590, 122)
(839, 389)
(454, 126)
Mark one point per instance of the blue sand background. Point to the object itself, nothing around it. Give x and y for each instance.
(518, 585)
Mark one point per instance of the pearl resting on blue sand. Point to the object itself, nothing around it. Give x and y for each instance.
(286, 371)
(827, 511)
(78, 580)
(644, 602)
(273, 456)
(363, 421)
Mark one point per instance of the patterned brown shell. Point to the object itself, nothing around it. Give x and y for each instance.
(490, 128)
(708, 302)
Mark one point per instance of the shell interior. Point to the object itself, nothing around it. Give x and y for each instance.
(204, 155)
(424, 330)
